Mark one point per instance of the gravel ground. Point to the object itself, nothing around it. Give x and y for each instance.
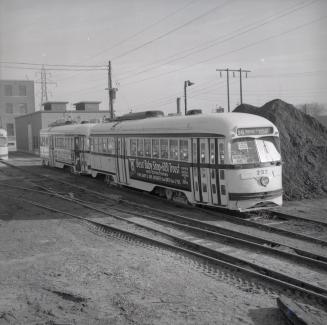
(54, 270)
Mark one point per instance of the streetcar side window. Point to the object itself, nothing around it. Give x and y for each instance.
(195, 153)
(147, 147)
(100, 144)
(96, 144)
(164, 148)
(183, 147)
(111, 145)
(140, 147)
(155, 148)
(203, 152)
(212, 153)
(91, 144)
(133, 147)
(104, 145)
(173, 149)
(221, 153)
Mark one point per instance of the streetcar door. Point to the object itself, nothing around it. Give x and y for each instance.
(195, 171)
(51, 150)
(204, 171)
(221, 172)
(121, 161)
(214, 189)
(77, 153)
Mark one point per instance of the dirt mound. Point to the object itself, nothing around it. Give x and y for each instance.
(304, 148)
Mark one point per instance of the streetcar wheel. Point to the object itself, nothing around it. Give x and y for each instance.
(169, 194)
(107, 179)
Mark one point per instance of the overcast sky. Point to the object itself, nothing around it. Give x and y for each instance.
(155, 45)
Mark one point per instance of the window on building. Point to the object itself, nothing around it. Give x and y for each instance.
(22, 90)
(10, 130)
(9, 108)
(8, 90)
(22, 109)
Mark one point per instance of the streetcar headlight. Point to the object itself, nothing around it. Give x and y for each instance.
(264, 181)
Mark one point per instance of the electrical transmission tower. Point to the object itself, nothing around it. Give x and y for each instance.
(44, 81)
(240, 71)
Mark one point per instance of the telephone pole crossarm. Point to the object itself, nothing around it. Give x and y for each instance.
(241, 72)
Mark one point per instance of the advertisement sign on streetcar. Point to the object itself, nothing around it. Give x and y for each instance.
(169, 173)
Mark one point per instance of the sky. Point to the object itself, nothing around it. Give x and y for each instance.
(156, 45)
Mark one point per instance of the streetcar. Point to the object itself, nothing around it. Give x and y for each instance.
(3, 144)
(229, 160)
(66, 146)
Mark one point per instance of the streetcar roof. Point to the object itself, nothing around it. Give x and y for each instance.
(216, 123)
(76, 129)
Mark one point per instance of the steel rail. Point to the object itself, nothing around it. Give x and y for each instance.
(227, 215)
(286, 217)
(218, 258)
(220, 234)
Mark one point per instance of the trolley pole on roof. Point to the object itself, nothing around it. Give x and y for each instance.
(240, 71)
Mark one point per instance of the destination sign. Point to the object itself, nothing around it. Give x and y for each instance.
(163, 172)
(255, 131)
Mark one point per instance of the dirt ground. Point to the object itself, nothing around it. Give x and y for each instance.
(54, 270)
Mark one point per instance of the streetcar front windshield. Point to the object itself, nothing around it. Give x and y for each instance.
(255, 150)
(3, 142)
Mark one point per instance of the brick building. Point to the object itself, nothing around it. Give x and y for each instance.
(16, 98)
(29, 126)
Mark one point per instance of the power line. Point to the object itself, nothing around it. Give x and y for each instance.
(53, 69)
(232, 51)
(173, 30)
(143, 30)
(228, 37)
(53, 65)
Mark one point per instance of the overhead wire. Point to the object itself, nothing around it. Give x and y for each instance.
(228, 37)
(227, 2)
(230, 52)
(143, 29)
(51, 65)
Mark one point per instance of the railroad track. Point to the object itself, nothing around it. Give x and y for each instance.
(196, 244)
(195, 250)
(228, 216)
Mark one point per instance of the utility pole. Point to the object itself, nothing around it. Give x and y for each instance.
(240, 71)
(111, 93)
(187, 83)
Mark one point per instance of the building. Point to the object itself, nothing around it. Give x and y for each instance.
(16, 98)
(54, 113)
